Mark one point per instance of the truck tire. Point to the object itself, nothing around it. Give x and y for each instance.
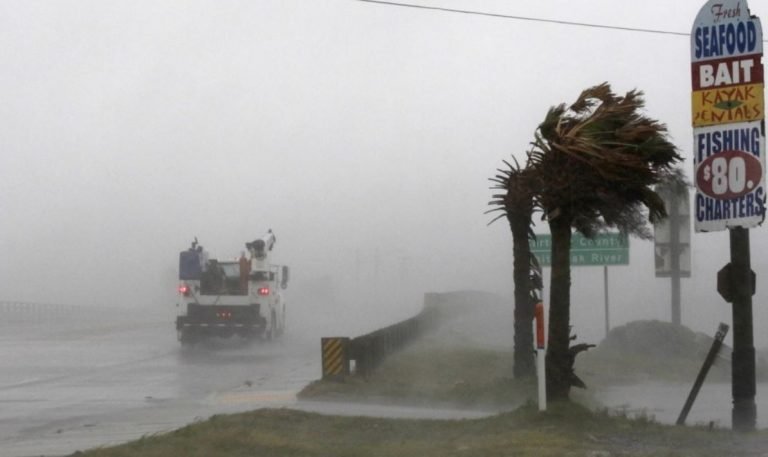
(186, 338)
(269, 333)
(281, 329)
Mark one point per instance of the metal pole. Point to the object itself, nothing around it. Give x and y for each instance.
(541, 376)
(676, 314)
(744, 412)
(605, 293)
(674, 247)
(708, 361)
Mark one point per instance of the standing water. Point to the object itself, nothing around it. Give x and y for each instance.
(663, 401)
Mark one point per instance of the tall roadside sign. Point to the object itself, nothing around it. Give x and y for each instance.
(672, 241)
(729, 162)
(728, 114)
(672, 238)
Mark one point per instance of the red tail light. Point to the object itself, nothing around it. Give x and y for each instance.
(184, 290)
(263, 290)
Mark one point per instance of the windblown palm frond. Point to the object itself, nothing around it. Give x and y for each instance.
(517, 197)
(600, 157)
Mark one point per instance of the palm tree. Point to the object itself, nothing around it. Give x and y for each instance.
(517, 204)
(594, 164)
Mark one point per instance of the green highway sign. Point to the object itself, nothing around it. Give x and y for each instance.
(604, 249)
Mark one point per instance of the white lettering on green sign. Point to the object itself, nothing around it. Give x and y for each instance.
(604, 249)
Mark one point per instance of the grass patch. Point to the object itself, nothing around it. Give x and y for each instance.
(430, 372)
(566, 430)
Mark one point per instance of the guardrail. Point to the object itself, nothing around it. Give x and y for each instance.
(15, 312)
(360, 356)
(27, 313)
(368, 351)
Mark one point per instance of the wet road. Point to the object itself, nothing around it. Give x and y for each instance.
(83, 379)
(664, 401)
(90, 379)
(74, 384)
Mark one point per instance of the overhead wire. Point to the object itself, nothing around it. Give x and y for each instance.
(527, 18)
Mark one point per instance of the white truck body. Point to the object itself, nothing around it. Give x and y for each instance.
(222, 299)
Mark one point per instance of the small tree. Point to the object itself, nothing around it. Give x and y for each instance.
(517, 204)
(594, 163)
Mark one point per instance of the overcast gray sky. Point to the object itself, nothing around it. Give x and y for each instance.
(363, 134)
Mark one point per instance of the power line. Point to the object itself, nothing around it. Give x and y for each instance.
(525, 18)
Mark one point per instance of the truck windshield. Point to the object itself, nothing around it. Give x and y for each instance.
(222, 278)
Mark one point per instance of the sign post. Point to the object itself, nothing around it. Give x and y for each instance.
(729, 162)
(605, 297)
(541, 353)
(708, 361)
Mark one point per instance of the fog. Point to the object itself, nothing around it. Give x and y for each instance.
(362, 134)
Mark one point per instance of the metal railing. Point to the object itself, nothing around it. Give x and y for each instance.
(370, 350)
(28, 313)
(16, 312)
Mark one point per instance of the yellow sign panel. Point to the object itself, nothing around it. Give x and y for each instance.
(728, 104)
(335, 358)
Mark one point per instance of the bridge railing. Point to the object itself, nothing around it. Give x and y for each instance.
(17, 312)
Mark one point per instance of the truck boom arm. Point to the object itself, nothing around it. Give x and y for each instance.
(260, 247)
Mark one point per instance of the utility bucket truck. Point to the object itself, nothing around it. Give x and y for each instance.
(226, 298)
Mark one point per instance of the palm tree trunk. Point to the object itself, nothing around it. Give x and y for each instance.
(558, 360)
(523, 355)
